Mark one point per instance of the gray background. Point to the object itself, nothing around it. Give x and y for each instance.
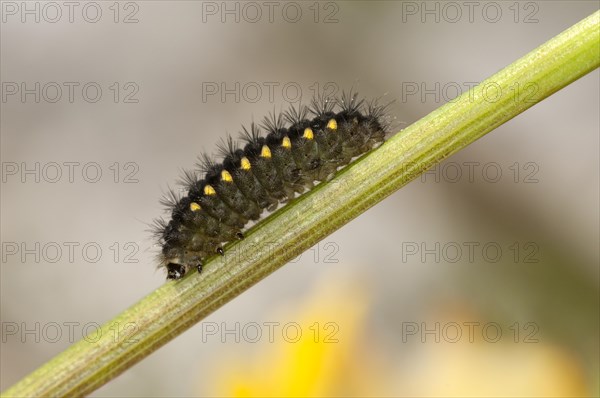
(169, 56)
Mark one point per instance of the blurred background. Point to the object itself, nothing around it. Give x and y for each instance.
(479, 278)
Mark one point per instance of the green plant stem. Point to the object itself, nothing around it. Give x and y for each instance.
(176, 306)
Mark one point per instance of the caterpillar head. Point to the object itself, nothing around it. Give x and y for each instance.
(175, 271)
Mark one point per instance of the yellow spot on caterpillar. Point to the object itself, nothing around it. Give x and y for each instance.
(308, 134)
(194, 206)
(332, 124)
(245, 164)
(286, 143)
(265, 152)
(209, 190)
(225, 176)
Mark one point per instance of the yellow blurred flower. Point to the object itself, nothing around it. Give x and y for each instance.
(336, 356)
(327, 360)
(482, 369)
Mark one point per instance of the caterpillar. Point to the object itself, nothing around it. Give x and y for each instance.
(303, 146)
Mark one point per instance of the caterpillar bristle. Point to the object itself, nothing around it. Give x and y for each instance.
(296, 115)
(264, 171)
(227, 147)
(253, 139)
(169, 199)
(273, 123)
(157, 228)
(379, 112)
(205, 163)
(349, 103)
(321, 105)
(250, 135)
(187, 178)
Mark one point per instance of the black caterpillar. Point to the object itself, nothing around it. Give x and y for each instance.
(268, 170)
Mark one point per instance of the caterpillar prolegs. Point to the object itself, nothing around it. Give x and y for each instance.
(303, 145)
